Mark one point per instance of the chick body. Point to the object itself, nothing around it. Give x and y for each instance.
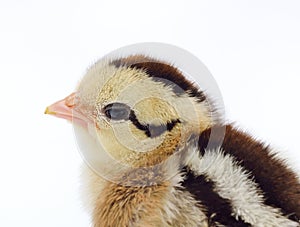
(181, 165)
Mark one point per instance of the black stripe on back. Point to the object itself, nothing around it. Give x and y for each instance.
(280, 185)
(218, 209)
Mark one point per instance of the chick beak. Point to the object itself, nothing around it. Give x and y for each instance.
(66, 109)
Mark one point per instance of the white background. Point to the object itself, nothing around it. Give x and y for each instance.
(252, 48)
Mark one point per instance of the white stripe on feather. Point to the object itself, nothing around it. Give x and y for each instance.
(232, 182)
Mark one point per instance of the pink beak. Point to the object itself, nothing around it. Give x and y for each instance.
(65, 109)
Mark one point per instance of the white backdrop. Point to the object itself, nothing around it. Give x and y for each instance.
(252, 48)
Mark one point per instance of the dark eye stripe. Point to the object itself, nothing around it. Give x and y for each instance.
(120, 111)
(152, 130)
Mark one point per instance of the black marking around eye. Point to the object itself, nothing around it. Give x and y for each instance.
(152, 130)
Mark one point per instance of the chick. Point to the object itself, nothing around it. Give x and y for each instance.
(160, 155)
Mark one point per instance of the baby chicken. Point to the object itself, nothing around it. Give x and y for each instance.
(158, 154)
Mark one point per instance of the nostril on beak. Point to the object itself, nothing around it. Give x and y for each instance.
(70, 100)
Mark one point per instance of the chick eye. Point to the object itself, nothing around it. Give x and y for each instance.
(117, 111)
